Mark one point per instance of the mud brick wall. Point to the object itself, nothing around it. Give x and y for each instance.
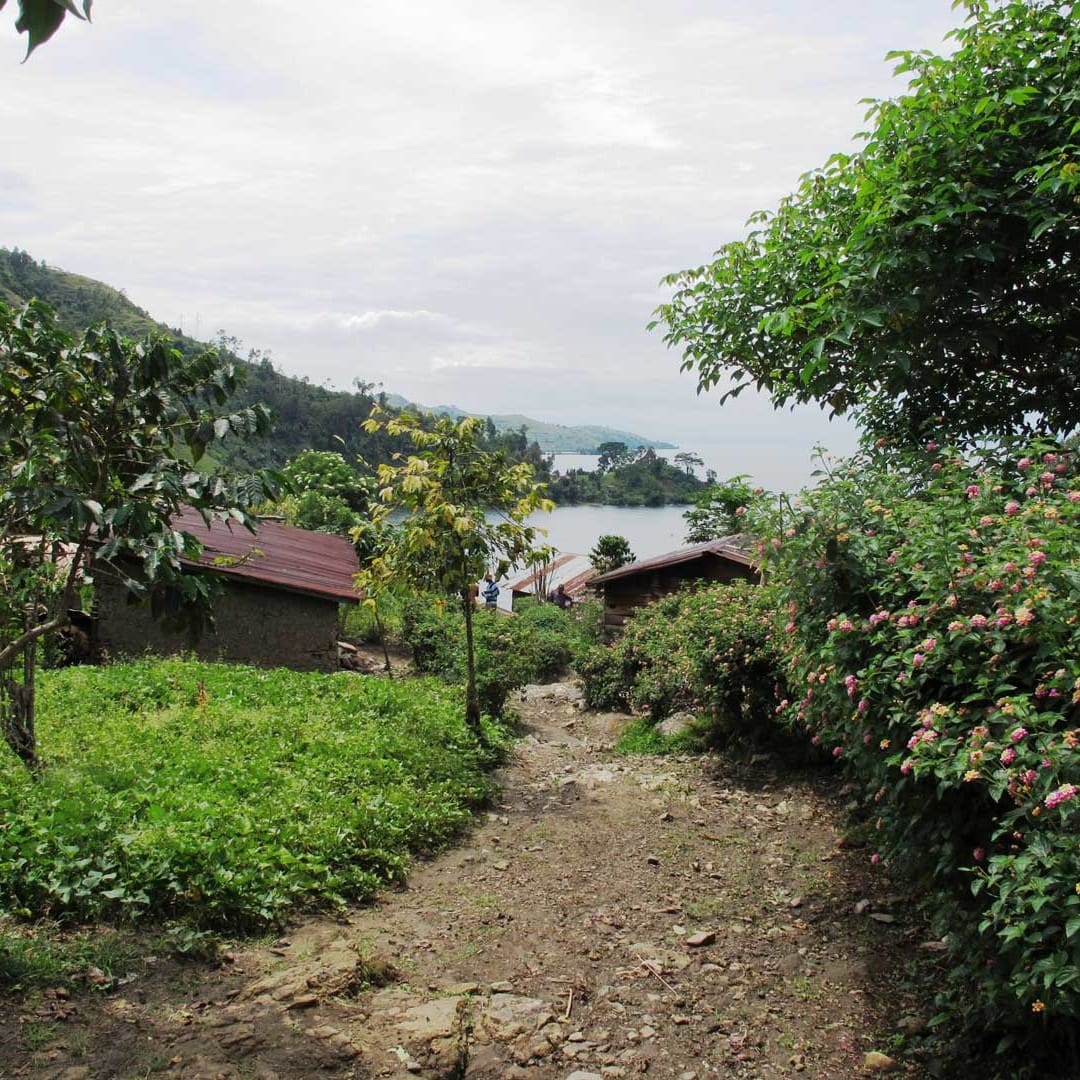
(256, 625)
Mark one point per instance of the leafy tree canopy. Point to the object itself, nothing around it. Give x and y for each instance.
(931, 279)
(40, 19)
(719, 510)
(100, 440)
(611, 552)
(446, 541)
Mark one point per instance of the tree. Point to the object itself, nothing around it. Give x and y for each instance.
(688, 461)
(611, 552)
(100, 439)
(327, 494)
(446, 543)
(719, 510)
(40, 19)
(613, 455)
(931, 280)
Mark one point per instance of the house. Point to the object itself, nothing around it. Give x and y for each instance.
(282, 588)
(639, 583)
(572, 572)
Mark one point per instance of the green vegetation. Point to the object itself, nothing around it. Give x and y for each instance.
(228, 796)
(626, 478)
(719, 509)
(445, 488)
(40, 19)
(932, 642)
(99, 438)
(709, 651)
(928, 282)
(536, 645)
(610, 552)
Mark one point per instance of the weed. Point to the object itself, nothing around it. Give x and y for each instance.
(805, 989)
(36, 1035)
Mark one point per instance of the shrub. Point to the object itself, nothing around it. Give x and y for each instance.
(532, 646)
(710, 650)
(932, 611)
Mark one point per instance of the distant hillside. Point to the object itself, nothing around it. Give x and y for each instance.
(552, 438)
(77, 300)
(309, 417)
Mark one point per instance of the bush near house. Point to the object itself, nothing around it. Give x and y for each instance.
(710, 650)
(537, 644)
(226, 796)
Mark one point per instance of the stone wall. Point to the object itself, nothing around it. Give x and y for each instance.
(257, 625)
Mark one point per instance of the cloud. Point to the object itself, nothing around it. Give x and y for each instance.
(370, 320)
(468, 203)
(503, 356)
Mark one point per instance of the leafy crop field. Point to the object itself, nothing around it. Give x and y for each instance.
(227, 795)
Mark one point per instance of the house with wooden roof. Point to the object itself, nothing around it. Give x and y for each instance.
(635, 584)
(278, 607)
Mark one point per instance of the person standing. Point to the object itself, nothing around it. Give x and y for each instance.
(490, 593)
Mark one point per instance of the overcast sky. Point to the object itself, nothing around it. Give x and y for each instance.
(467, 202)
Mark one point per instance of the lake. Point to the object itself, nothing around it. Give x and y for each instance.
(651, 530)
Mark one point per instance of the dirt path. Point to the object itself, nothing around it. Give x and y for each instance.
(611, 917)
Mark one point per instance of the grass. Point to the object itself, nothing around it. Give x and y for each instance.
(224, 797)
(48, 955)
(641, 737)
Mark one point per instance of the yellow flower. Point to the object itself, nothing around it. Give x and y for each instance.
(884, 744)
(971, 774)
(1037, 1006)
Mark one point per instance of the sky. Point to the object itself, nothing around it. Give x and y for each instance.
(467, 202)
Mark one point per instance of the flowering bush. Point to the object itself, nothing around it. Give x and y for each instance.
(931, 610)
(709, 651)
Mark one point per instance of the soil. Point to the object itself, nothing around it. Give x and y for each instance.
(611, 916)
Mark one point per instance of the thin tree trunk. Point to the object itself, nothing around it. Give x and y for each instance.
(17, 703)
(382, 641)
(472, 698)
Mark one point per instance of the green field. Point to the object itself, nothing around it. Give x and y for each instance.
(227, 796)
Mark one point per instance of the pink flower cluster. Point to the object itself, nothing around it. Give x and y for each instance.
(1063, 794)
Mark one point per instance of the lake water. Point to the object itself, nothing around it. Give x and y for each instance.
(651, 530)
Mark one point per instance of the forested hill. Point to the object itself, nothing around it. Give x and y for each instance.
(308, 417)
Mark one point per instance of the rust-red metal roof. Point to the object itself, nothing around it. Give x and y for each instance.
(726, 547)
(277, 555)
(571, 571)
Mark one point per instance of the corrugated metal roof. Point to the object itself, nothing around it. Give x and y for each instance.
(573, 572)
(726, 547)
(279, 555)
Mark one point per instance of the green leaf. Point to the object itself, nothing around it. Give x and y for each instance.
(39, 20)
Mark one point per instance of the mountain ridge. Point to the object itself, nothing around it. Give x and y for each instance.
(80, 300)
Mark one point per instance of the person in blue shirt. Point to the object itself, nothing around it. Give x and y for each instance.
(490, 593)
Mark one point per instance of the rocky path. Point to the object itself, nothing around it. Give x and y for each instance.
(611, 917)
